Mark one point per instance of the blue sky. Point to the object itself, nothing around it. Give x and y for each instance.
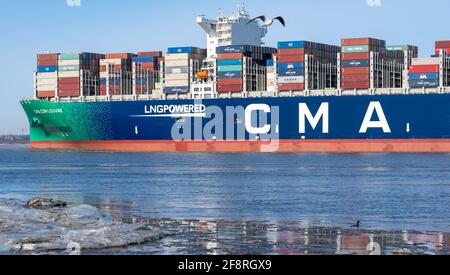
(28, 27)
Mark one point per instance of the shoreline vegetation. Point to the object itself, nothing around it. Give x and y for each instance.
(14, 139)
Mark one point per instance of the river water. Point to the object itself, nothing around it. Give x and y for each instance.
(193, 197)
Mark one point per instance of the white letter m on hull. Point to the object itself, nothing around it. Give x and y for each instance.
(322, 113)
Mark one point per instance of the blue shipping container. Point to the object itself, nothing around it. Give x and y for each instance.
(291, 45)
(182, 50)
(269, 62)
(47, 69)
(290, 65)
(229, 75)
(144, 59)
(424, 76)
(355, 63)
(233, 49)
(228, 62)
(419, 83)
(291, 72)
(176, 90)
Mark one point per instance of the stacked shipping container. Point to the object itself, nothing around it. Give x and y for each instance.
(242, 68)
(304, 64)
(424, 72)
(146, 72)
(78, 74)
(405, 54)
(47, 75)
(181, 65)
(366, 63)
(271, 74)
(443, 45)
(355, 61)
(116, 74)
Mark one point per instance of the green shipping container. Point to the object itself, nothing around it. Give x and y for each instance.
(356, 49)
(69, 56)
(231, 68)
(398, 48)
(68, 68)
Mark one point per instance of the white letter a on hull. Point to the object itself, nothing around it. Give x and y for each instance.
(368, 123)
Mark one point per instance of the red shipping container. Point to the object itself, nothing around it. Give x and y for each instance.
(442, 44)
(445, 49)
(229, 56)
(44, 94)
(355, 77)
(361, 41)
(357, 70)
(229, 88)
(291, 52)
(118, 56)
(291, 87)
(47, 62)
(424, 69)
(149, 54)
(290, 58)
(148, 66)
(67, 93)
(48, 56)
(355, 56)
(355, 85)
(69, 80)
(75, 86)
(229, 81)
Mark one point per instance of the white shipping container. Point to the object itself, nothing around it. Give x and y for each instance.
(291, 79)
(425, 61)
(271, 76)
(177, 63)
(47, 75)
(177, 77)
(177, 83)
(178, 56)
(104, 62)
(69, 74)
(46, 87)
(47, 81)
(68, 62)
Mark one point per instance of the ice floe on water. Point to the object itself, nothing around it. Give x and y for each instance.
(65, 229)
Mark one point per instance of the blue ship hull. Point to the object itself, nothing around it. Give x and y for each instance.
(387, 123)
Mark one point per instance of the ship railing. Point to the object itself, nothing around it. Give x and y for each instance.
(260, 94)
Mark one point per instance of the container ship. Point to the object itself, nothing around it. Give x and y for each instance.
(239, 95)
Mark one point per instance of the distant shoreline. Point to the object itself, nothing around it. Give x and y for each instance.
(14, 139)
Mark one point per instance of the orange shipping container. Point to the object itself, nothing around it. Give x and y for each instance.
(44, 94)
(48, 56)
(357, 70)
(47, 62)
(291, 87)
(291, 58)
(229, 56)
(67, 93)
(291, 52)
(355, 56)
(355, 85)
(119, 56)
(356, 41)
(355, 77)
